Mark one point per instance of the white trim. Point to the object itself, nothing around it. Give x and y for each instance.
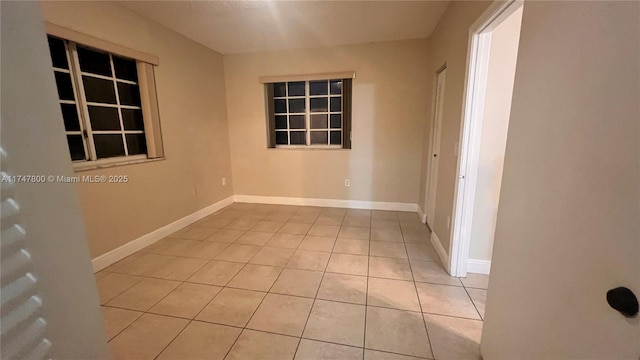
(478, 266)
(131, 247)
(94, 42)
(470, 131)
(303, 77)
(442, 253)
(423, 216)
(353, 204)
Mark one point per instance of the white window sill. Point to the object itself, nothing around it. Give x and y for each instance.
(306, 148)
(109, 163)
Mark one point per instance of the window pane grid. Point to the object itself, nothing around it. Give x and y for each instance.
(320, 117)
(100, 142)
(75, 139)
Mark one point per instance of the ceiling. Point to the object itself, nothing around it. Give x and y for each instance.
(231, 27)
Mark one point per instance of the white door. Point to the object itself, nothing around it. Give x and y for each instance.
(568, 226)
(435, 147)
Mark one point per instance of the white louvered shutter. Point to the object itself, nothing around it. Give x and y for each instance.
(23, 327)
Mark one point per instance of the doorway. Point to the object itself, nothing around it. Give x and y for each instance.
(432, 186)
(493, 47)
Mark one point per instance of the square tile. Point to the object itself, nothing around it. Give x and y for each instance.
(232, 307)
(348, 264)
(350, 246)
(396, 294)
(314, 350)
(422, 236)
(226, 236)
(281, 314)
(335, 220)
(317, 243)
(205, 250)
(197, 233)
(255, 277)
(272, 256)
(381, 355)
(479, 298)
(454, 338)
(363, 222)
(202, 341)
(432, 272)
(186, 300)
(393, 235)
(385, 224)
(303, 219)
(215, 222)
(216, 273)
(146, 337)
(345, 288)
(298, 282)
(295, 228)
(180, 269)
(112, 285)
(324, 230)
(268, 226)
(287, 241)
(446, 300)
(116, 320)
(336, 322)
(384, 214)
(388, 249)
(141, 264)
(238, 253)
(478, 281)
(423, 252)
(258, 345)
(397, 331)
(255, 238)
(143, 295)
(242, 224)
(171, 246)
(309, 260)
(352, 232)
(389, 268)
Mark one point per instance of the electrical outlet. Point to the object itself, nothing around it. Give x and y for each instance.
(224, 181)
(448, 222)
(347, 183)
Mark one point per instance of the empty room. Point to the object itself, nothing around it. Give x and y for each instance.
(320, 179)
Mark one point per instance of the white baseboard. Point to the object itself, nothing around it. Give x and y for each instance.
(423, 216)
(131, 247)
(478, 266)
(442, 253)
(353, 204)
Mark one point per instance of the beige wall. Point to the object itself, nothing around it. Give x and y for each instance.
(568, 226)
(390, 110)
(495, 122)
(190, 85)
(448, 45)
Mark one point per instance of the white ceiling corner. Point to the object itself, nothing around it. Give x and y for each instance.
(231, 27)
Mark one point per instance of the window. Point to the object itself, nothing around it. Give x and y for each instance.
(310, 113)
(108, 104)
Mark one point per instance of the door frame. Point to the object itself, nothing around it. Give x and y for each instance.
(430, 148)
(479, 48)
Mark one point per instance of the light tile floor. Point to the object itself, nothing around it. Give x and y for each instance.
(287, 282)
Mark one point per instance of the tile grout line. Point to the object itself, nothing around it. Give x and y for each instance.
(366, 295)
(269, 291)
(313, 303)
(415, 287)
